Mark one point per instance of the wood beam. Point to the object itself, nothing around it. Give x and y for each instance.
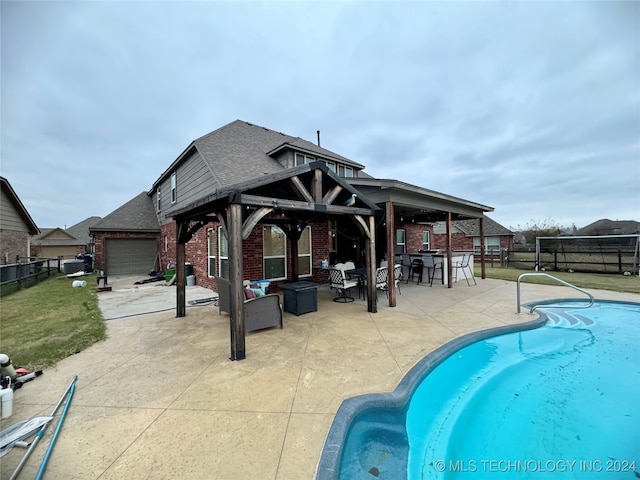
(482, 258)
(253, 220)
(297, 183)
(181, 303)
(236, 307)
(331, 195)
(372, 297)
(285, 204)
(316, 186)
(449, 254)
(391, 254)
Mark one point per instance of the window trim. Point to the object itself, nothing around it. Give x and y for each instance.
(210, 257)
(310, 254)
(158, 202)
(222, 258)
(428, 242)
(403, 245)
(174, 188)
(265, 257)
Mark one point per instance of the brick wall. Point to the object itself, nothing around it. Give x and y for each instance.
(196, 253)
(13, 244)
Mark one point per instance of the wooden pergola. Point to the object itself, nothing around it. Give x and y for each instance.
(291, 199)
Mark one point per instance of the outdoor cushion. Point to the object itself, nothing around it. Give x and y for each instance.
(249, 293)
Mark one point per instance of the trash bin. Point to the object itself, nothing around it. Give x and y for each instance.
(191, 280)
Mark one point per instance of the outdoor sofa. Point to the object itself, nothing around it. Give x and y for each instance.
(260, 312)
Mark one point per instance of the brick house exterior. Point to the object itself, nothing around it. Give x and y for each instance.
(238, 154)
(16, 226)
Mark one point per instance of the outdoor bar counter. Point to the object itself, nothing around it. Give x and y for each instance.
(456, 257)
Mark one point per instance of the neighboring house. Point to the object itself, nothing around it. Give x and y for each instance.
(16, 226)
(466, 236)
(56, 242)
(81, 231)
(275, 178)
(610, 227)
(126, 241)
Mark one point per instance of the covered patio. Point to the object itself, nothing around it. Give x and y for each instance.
(298, 197)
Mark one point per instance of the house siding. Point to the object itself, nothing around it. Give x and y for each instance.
(10, 218)
(193, 181)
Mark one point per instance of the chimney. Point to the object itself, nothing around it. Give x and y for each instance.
(318, 132)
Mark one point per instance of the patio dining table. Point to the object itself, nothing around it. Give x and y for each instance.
(360, 274)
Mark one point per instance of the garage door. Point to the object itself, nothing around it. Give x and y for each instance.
(131, 256)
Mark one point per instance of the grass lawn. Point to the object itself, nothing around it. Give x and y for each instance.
(600, 281)
(45, 323)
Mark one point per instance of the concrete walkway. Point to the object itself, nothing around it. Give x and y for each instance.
(159, 399)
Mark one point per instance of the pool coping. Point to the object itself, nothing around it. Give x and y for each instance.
(328, 467)
(329, 463)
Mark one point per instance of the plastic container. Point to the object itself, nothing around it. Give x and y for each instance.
(79, 283)
(6, 402)
(191, 280)
(264, 285)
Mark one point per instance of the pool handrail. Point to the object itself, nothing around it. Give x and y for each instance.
(567, 284)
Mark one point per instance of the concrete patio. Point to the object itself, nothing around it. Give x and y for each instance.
(159, 399)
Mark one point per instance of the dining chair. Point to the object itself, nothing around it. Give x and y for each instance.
(397, 272)
(464, 266)
(429, 264)
(405, 261)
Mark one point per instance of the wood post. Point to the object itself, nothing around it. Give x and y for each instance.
(391, 253)
(236, 300)
(181, 304)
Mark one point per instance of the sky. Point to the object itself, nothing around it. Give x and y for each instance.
(532, 108)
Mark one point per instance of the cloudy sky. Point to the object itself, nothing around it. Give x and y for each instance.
(532, 108)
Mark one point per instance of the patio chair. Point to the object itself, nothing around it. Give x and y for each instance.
(397, 272)
(342, 284)
(405, 261)
(382, 277)
(464, 266)
(429, 263)
(416, 269)
(260, 312)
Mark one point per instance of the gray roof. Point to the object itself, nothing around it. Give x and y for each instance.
(81, 230)
(605, 226)
(138, 214)
(471, 227)
(241, 151)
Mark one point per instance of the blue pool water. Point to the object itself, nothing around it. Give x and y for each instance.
(561, 400)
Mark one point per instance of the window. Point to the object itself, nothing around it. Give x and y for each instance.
(274, 253)
(223, 254)
(333, 228)
(158, 200)
(491, 245)
(331, 165)
(211, 253)
(303, 159)
(174, 188)
(346, 172)
(304, 253)
(425, 240)
(401, 246)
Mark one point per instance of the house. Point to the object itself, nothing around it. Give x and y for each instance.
(16, 226)
(247, 202)
(56, 242)
(466, 236)
(610, 227)
(81, 231)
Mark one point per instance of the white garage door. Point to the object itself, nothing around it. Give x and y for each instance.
(127, 256)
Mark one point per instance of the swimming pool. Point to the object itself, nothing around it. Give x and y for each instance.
(561, 399)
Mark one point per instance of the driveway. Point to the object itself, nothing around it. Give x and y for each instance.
(126, 299)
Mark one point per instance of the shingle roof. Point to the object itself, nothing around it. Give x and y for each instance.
(81, 230)
(472, 227)
(241, 151)
(138, 214)
(605, 226)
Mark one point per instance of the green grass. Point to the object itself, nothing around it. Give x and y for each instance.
(600, 281)
(47, 322)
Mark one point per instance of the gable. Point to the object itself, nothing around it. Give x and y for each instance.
(137, 215)
(13, 214)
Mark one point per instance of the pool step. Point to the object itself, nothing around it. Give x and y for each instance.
(564, 318)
